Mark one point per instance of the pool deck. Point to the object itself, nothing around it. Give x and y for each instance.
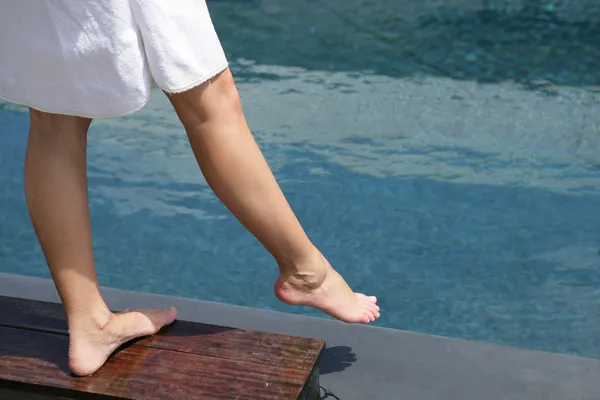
(367, 363)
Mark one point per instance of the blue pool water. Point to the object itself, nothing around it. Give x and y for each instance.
(446, 159)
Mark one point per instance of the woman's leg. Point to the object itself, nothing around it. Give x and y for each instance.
(56, 194)
(236, 170)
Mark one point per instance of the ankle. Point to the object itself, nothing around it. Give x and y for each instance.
(307, 272)
(89, 319)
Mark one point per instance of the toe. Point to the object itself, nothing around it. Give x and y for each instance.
(372, 316)
(376, 313)
(371, 299)
(150, 321)
(373, 307)
(373, 311)
(369, 304)
(161, 318)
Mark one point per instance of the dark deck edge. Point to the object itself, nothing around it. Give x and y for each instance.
(311, 388)
(27, 391)
(366, 362)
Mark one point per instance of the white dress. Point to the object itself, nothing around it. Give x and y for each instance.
(98, 58)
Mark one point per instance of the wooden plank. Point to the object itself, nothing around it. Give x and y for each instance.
(37, 358)
(201, 339)
(185, 361)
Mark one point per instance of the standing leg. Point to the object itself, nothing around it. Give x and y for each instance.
(56, 194)
(236, 170)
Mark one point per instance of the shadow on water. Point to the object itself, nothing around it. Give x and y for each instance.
(536, 45)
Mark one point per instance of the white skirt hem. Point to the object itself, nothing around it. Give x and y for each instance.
(185, 88)
(200, 81)
(99, 59)
(71, 113)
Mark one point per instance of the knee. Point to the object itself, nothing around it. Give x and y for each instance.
(216, 100)
(223, 90)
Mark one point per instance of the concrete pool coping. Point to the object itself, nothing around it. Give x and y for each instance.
(367, 363)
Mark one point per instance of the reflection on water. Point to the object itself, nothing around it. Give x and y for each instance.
(467, 196)
(533, 42)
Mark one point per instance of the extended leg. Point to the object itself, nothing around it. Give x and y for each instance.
(56, 193)
(236, 170)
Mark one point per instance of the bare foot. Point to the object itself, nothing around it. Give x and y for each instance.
(89, 348)
(330, 294)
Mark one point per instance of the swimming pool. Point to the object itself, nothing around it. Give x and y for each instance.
(440, 161)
